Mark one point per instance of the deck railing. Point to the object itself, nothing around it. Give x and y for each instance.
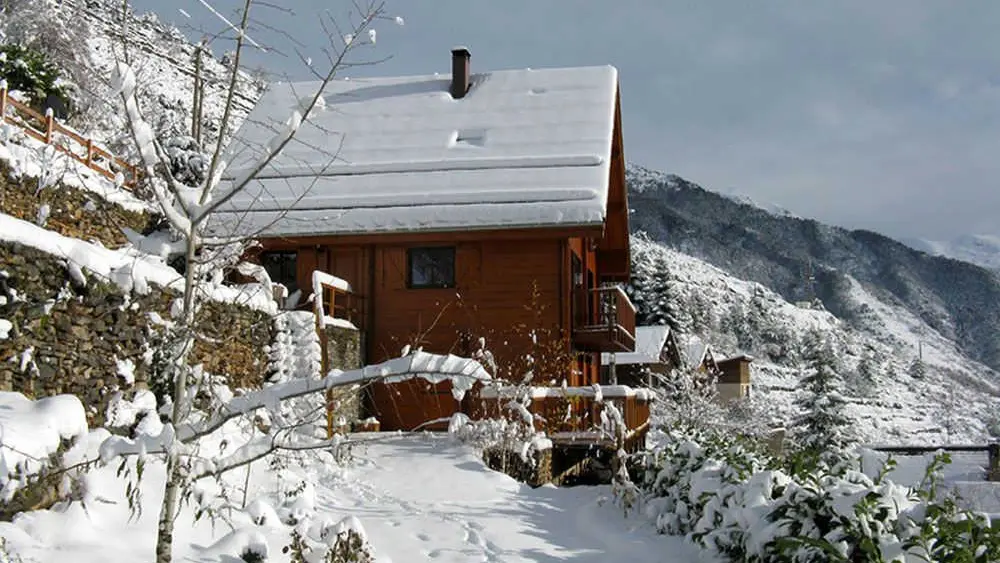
(571, 416)
(46, 129)
(604, 320)
(334, 304)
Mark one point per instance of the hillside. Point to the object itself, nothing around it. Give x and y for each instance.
(802, 258)
(983, 250)
(953, 402)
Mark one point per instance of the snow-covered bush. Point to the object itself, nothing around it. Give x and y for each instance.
(31, 72)
(188, 163)
(55, 30)
(728, 495)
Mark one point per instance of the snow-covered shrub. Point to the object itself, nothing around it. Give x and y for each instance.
(343, 542)
(188, 163)
(29, 71)
(55, 29)
(728, 495)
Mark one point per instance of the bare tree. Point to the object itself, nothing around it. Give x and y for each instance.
(188, 211)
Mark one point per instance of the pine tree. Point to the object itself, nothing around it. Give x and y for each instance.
(821, 426)
(868, 375)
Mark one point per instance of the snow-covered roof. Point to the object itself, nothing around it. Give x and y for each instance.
(695, 352)
(523, 148)
(649, 341)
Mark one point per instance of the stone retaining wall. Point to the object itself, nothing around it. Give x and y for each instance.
(71, 339)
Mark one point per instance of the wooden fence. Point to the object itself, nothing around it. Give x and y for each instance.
(46, 129)
(992, 450)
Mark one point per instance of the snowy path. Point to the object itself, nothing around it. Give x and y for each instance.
(420, 498)
(423, 498)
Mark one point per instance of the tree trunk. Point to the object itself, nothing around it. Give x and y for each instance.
(165, 527)
(171, 492)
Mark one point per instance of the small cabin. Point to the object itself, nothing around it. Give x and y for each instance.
(699, 357)
(734, 378)
(656, 355)
(467, 213)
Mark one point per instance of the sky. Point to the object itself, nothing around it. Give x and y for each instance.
(878, 115)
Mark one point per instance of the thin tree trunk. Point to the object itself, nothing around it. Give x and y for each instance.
(165, 527)
(171, 493)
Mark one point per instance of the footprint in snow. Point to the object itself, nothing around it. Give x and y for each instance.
(423, 537)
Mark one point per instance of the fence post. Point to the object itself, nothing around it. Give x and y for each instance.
(90, 153)
(49, 124)
(993, 471)
(3, 101)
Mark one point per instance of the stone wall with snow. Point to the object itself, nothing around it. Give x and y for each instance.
(91, 340)
(68, 211)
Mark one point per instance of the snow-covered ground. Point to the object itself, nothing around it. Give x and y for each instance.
(420, 497)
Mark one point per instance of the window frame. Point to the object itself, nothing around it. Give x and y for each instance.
(440, 250)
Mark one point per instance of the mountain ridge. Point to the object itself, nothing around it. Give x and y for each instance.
(801, 259)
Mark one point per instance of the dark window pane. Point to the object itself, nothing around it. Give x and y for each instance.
(281, 267)
(432, 267)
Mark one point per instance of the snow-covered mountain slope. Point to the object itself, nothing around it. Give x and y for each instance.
(801, 259)
(100, 35)
(982, 250)
(953, 401)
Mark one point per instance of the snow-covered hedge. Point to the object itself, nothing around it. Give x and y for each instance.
(728, 495)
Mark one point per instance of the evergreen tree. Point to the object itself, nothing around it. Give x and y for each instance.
(821, 426)
(868, 375)
(917, 369)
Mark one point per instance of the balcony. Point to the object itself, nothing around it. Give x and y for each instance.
(571, 416)
(603, 320)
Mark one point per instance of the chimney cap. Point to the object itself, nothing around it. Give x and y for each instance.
(461, 50)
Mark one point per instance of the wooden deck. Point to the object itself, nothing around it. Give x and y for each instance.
(571, 416)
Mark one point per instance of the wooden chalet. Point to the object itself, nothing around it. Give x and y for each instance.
(477, 207)
(656, 354)
(734, 377)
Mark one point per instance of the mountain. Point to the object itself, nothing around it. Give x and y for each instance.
(890, 400)
(802, 259)
(983, 250)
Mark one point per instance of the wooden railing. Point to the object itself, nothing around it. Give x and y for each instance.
(46, 129)
(992, 451)
(604, 320)
(333, 302)
(571, 416)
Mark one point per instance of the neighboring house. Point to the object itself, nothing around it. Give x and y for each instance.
(698, 357)
(734, 378)
(656, 355)
(489, 205)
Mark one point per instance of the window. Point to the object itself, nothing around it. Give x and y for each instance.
(281, 267)
(431, 267)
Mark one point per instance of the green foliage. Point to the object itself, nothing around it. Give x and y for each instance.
(728, 495)
(252, 556)
(29, 71)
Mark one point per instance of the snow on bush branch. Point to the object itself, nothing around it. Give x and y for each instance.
(731, 497)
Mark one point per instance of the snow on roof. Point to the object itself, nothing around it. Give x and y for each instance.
(695, 352)
(649, 341)
(523, 148)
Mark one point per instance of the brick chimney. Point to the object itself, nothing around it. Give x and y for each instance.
(460, 72)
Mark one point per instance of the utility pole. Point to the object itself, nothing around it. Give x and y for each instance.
(198, 93)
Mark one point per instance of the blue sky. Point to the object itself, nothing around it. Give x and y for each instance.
(880, 115)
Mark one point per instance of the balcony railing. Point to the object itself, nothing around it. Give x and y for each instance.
(571, 416)
(604, 320)
(335, 302)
